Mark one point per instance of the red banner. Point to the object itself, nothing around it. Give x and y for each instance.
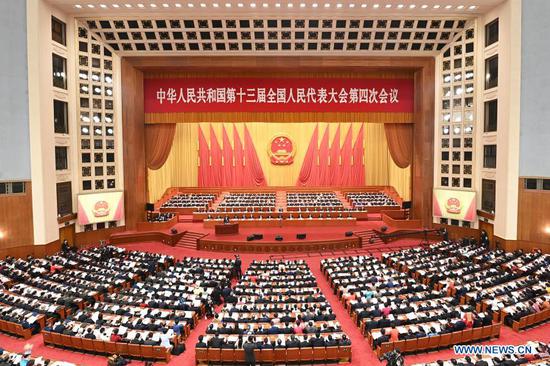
(278, 95)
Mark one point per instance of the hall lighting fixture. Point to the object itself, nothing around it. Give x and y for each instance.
(437, 6)
(140, 5)
(203, 5)
(327, 5)
(388, 6)
(472, 7)
(352, 5)
(102, 6)
(128, 5)
(424, 6)
(302, 5)
(468, 129)
(338, 5)
(177, 5)
(91, 6)
(456, 130)
(363, 5)
(448, 6)
(412, 6)
(314, 5)
(2, 235)
(446, 130)
(240, 5)
(277, 5)
(400, 6)
(216, 5)
(290, 5)
(190, 5)
(115, 6)
(376, 6)
(546, 230)
(460, 7)
(227, 5)
(153, 5)
(253, 5)
(78, 6)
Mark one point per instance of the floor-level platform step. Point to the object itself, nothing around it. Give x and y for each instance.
(189, 240)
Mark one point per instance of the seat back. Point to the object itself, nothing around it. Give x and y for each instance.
(110, 347)
(467, 335)
(306, 354)
(147, 352)
(293, 354)
(279, 355)
(214, 354)
(76, 342)
(99, 346)
(445, 340)
(66, 341)
(161, 353)
(344, 353)
(410, 345)
(238, 355)
(201, 354)
(227, 355)
(122, 348)
(385, 348)
(476, 333)
(46, 336)
(319, 353)
(134, 350)
(434, 342)
(422, 343)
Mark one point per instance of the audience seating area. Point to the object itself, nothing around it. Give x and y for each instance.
(8, 358)
(361, 200)
(278, 308)
(190, 200)
(398, 310)
(312, 200)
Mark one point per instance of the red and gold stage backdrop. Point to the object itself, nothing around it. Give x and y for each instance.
(182, 165)
(288, 128)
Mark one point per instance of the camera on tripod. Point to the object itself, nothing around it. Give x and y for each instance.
(394, 358)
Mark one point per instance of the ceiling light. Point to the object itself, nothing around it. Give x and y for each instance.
(456, 130)
(437, 6)
(240, 5)
(252, 5)
(472, 7)
(302, 5)
(363, 5)
(290, 5)
(91, 6)
(2, 235)
(128, 5)
(216, 5)
(115, 6)
(314, 5)
(352, 5)
(227, 5)
(460, 7)
(400, 6)
(140, 5)
(177, 5)
(153, 5)
(265, 5)
(102, 6)
(388, 6)
(203, 5)
(327, 5)
(445, 130)
(424, 6)
(338, 5)
(191, 5)
(412, 6)
(546, 230)
(376, 6)
(78, 6)
(277, 5)
(448, 6)
(165, 5)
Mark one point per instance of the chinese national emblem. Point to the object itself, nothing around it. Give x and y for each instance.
(281, 150)
(453, 206)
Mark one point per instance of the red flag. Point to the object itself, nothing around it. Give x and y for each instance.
(335, 178)
(227, 177)
(204, 161)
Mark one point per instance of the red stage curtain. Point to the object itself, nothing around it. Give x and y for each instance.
(227, 173)
(400, 142)
(358, 165)
(346, 153)
(204, 161)
(324, 171)
(335, 178)
(158, 143)
(253, 166)
(216, 160)
(309, 173)
(238, 173)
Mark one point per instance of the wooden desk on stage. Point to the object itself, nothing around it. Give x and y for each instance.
(224, 229)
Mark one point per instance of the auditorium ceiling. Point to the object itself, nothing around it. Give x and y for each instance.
(264, 27)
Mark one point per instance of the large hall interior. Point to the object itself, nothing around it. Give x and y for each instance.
(268, 182)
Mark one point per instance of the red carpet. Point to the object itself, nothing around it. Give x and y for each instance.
(362, 354)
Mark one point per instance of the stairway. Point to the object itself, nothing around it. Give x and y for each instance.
(343, 199)
(369, 237)
(218, 200)
(280, 201)
(189, 240)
